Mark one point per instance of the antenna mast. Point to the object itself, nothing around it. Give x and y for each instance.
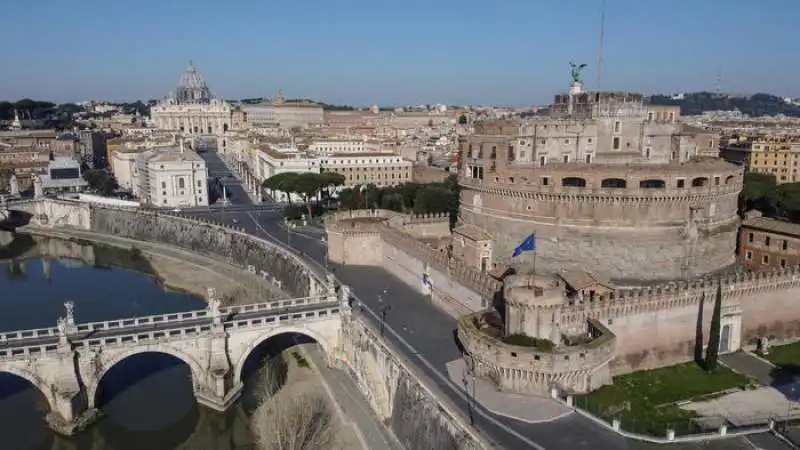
(600, 45)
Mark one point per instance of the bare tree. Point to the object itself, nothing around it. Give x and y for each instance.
(289, 421)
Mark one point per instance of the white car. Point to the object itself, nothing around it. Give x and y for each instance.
(177, 210)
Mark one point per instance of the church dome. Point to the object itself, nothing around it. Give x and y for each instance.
(192, 89)
(191, 79)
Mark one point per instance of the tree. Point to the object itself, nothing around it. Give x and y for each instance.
(432, 199)
(756, 189)
(6, 171)
(462, 119)
(291, 422)
(784, 201)
(101, 181)
(309, 185)
(712, 352)
(331, 180)
(285, 182)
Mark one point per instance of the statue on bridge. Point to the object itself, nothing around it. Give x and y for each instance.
(62, 331)
(214, 305)
(70, 319)
(331, 278)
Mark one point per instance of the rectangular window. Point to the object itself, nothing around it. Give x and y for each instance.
(565, 158)
(750, 237)
(545, 181)
(783, 262)
(588, 159)
(542, 160)
(617, 126)
(785, 245)
(765, 259)
(766, 241)
(616, 143)
(748, 255)
(681, 183)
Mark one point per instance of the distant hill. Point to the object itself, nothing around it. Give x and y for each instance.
(755, 105)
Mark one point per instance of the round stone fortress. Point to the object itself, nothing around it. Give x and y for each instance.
(620, 192)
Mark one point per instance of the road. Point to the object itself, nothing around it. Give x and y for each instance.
(425, 335)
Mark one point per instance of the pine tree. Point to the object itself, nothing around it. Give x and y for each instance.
(712, 353)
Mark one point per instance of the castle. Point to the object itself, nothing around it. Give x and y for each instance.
(635, 221)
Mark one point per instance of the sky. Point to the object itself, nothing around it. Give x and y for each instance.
(401, 52)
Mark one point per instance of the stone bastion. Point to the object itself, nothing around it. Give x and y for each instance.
(669, 314)
(626, 222)
(576, 360)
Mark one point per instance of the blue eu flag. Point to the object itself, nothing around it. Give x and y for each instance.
(529, 244)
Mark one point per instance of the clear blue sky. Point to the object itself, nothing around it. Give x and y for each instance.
(393, 52)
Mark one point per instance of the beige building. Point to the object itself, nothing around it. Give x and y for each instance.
(776, 155)
(281, 113)
(192, 109)
(171, 178)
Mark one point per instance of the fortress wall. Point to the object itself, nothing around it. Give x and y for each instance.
(420, 418)
(774, 314)
(657, 326)
(447, 294)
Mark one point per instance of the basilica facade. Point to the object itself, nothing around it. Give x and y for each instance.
(192, 109)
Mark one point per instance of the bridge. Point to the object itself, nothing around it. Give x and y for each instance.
(67, 363)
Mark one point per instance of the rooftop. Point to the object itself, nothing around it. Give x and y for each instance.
(773, 225)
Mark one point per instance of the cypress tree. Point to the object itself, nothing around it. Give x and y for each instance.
(712, 353)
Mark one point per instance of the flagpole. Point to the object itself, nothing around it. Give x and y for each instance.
(534, 261)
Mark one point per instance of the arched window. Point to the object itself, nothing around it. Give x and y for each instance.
(700, 182)
(225, 127)
(652, 184)
(573, 182)
(617, 183)
(729, 179)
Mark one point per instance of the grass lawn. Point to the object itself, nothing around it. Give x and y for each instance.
(785, 355)
(646, 402)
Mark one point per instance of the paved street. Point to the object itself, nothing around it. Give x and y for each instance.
(425, 334)
(353, 404)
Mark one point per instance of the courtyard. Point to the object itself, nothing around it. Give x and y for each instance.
(650, 402)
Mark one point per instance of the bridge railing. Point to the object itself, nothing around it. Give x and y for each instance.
(131, 335)
(274, 304)
(144, 320)
(20, 335)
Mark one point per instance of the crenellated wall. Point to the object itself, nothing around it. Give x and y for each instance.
(754, 304)
(379, 238)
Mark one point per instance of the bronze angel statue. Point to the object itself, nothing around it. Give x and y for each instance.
(576, 71)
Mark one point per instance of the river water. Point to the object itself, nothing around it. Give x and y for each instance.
(147, 399)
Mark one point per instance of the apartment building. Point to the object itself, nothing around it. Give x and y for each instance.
(766, 243)
(776, 155)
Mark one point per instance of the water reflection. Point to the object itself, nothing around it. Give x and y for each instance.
(147, 398)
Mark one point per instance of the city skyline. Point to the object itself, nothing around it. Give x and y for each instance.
(363, 53)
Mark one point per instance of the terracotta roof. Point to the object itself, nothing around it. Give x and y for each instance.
(580, 279)
(774, 225)
(472, 232)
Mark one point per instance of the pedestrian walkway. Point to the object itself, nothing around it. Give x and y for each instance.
(525, 408)
(374, 434)
(751, 365)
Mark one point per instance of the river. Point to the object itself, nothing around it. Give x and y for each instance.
(147, 399)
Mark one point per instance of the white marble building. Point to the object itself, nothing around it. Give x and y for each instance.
(192, 109)
(171, 178)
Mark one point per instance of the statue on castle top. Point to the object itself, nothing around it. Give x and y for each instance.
(575, 71)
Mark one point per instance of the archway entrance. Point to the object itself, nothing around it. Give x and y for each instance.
(148, 391)
(725, 339)
(23, 408)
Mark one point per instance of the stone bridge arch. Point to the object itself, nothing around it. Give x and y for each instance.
(115, 357)
(39, 384)
(267, 334)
